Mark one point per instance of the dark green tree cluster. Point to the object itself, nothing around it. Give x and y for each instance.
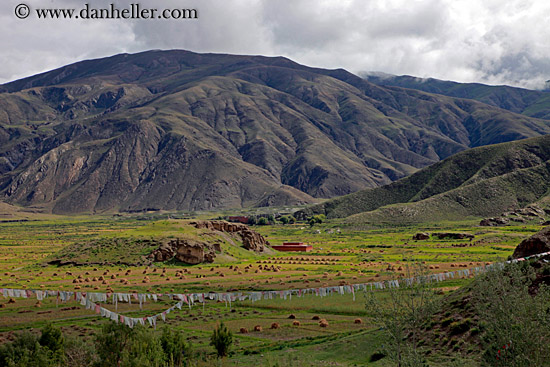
(114, 345)
(287, 219)
(316, 219)
(30, 350)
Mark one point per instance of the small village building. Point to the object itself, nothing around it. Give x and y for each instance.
(238, 219)
(293, 247)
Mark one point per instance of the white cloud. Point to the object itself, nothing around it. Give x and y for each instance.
(491, 41)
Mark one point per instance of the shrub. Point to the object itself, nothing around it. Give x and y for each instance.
(52, 339)
(222, 339)
(174, 346)
(446, 322)
(25, 351)
(460, 327)
(376, 356)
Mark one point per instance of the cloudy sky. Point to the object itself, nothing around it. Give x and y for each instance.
(490, 41)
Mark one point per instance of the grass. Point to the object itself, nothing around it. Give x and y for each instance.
(342, 254)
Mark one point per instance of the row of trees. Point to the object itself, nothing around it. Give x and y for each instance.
(114, 345)
(285, 219)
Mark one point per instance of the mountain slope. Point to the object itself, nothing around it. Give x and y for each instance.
(483, 181)
(527, 102)
(187, 131)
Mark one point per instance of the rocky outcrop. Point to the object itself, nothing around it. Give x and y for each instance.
(187, 251)
(421, 236)
(251, 239)
(536, 244)
(453, 236)
(493, 222)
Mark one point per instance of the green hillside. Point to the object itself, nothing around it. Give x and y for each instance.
(483, 181)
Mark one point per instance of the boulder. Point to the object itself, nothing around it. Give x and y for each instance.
(251, 239)
(537, 243)
(421, 236)
(187, 251)
(493, 222)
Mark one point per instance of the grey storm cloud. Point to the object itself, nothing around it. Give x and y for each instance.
(492, 41)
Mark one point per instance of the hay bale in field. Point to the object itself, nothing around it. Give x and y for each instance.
(357, 321)
(244, 330)
(323, 323)
(275, 325)
(77, 287)
(292, 316)
(258, 328)
(340, 273)
(11, 300)
(38, 304)
(295, 323)
(315, 317)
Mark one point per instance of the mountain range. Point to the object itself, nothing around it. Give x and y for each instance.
(178, 130)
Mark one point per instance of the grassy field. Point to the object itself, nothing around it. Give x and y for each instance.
(342, 255)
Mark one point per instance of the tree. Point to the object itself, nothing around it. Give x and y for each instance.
(262, 221)
(221, 340)
(515, 314)
(174, 346)
(119, 345)
(284, 219)
(111, 343)
(291, 220)
(25, 351)
(52, 339)
(401, 311)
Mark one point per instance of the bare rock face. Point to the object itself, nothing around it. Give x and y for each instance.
(493, 222)
(252, 240)
(187, 251)
(537, 243)
(421, 236)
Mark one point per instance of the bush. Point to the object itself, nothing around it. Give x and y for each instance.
(52, 339)
(262, 221)
(25, 351)
(118, 345)
(78, 353)
(221, 340)
(174, 346)
(510, 313)
(376, 356)
(460, 327)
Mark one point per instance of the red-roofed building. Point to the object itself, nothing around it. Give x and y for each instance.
(293, 247)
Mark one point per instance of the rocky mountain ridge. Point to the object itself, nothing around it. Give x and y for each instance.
(177, 130)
